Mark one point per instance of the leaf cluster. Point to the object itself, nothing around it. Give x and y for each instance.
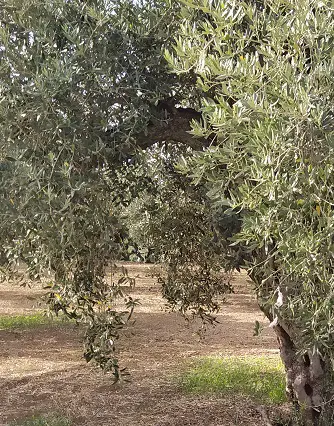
(266, 68)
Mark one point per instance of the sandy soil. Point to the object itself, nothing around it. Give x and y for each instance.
(42, 369)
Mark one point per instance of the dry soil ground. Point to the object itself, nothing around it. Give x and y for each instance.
(42, 370)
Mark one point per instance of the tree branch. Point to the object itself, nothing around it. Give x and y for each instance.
(172, 124)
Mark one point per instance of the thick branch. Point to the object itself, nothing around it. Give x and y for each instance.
(172, 125)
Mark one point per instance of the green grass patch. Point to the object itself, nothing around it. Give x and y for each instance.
(8, 322)
(259, 377)
(47, 420)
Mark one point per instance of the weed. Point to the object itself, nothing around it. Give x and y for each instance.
(44, 420)
(259, 377)
(8, 322)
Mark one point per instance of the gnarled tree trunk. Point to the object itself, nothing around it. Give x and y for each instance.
(308, 381)
(309, 376)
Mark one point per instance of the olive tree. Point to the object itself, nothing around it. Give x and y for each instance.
(247, 88)
(267, 71)
(84, 86)
(77, 81)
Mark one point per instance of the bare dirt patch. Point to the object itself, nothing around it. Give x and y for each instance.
(42, 369)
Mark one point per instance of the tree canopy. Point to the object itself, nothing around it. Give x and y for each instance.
(210, 121)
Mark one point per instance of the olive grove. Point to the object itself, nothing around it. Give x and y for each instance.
(201, 129)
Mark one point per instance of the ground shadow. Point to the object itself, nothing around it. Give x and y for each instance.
(42, 369)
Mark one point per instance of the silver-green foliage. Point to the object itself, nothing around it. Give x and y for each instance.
(174, 221)
(266, 70)
(77, 80)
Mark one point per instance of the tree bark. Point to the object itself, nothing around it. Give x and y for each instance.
(307, 380)
(309, 376)
(172, 124)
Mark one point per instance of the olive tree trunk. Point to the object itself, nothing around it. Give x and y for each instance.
(309, 382)
(309, 377)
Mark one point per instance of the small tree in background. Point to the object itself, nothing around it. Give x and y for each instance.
(174, 221)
